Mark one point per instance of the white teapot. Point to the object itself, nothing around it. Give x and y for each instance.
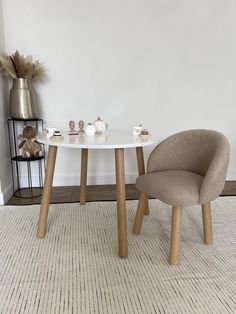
(90, 129)
(100, 125)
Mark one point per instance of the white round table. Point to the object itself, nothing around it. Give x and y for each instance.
(112, 139)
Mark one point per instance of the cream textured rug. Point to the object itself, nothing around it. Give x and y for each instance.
(76, 268)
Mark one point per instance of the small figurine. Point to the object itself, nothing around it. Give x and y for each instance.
(81, 126)
(72, 128)
(72, 125)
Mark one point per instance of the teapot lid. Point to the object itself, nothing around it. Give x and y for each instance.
(98, 119)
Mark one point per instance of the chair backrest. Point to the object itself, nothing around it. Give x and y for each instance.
(205, 152)
(191, 150)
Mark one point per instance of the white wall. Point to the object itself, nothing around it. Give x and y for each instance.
(168, 64)
(5, 168)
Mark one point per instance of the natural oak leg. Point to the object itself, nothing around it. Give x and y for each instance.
(121, 204)
(207, 224)
(140, 213)
(175, 235)
(43, 215)
(141, 171)
(83, 175)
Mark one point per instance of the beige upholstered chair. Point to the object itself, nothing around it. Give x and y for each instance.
(186, 169)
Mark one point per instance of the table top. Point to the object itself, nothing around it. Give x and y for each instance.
(111, 139)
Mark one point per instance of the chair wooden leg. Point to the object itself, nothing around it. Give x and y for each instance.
(175, 235)
(141, 171)
(140, 213)
(207, 224)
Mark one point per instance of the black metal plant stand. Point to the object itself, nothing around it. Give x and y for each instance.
(17, 160)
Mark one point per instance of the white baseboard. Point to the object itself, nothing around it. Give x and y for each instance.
(73, 179)
(231, 176)
(93, 179)
(6, 194)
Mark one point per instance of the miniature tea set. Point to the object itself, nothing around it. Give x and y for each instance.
(98, 128)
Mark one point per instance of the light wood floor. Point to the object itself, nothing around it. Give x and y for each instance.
(70, 194)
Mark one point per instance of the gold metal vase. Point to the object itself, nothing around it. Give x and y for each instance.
(23, 100)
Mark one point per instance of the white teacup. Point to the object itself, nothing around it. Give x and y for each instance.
(90, 129)
(137, 130)
(49, 131)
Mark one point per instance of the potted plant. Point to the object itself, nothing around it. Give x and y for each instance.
(22, 98)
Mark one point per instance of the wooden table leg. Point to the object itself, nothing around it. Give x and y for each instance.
(43, 215)
(141, 171)
(121, 202)
(83, 175)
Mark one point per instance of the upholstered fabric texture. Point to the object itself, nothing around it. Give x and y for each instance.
(179, 185)
(194, 160)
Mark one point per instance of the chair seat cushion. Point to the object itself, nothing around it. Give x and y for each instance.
(174, 187)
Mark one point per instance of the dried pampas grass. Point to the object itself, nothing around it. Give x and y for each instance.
(18, 66)
(6, 66)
